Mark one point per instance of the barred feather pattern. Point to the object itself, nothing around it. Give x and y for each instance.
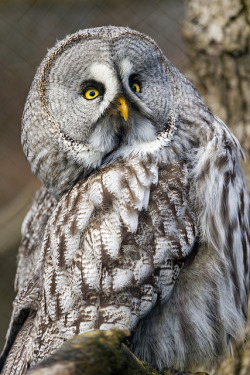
(154, 240)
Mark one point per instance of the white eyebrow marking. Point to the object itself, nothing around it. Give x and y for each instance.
(103, 73)
(126, 67)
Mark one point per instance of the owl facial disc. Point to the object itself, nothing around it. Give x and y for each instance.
(98, 91)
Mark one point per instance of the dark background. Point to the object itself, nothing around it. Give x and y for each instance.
(27, 30)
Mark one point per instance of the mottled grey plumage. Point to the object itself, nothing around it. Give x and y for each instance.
(142, 224)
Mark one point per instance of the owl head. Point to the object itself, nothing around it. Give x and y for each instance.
(97, 94)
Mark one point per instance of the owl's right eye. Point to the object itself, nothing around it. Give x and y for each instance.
(91, 89)
(91, 93)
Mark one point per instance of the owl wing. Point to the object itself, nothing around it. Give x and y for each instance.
(207, 311)
(33, 229)
(27, 283)
(222, 200)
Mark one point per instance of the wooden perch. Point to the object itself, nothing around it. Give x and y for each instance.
(93, 353)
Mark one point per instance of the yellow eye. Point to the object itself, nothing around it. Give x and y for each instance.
(91, 93)
(135, 87)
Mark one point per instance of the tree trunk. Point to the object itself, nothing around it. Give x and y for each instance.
(218, 34)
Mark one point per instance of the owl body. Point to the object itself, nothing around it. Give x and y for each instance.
(143, 220)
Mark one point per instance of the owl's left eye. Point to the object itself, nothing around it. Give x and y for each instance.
(135, 87)
(134, 83)
(91, 93)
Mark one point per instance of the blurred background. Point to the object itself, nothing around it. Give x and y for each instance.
(27, 30)
(215, 56)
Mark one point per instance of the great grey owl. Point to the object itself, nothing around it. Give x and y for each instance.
(143, 220)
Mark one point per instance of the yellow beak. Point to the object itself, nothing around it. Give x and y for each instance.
(123, 107)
